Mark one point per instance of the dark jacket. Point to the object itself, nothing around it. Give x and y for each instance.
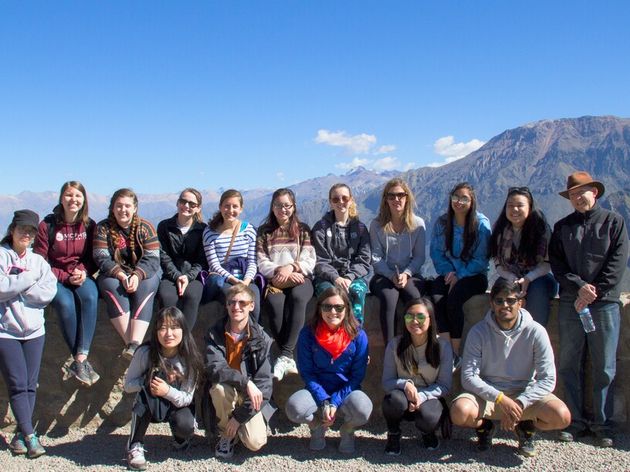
(350, 258)
(255, 366)
(590, 247)
(328, 379)
(181, 254)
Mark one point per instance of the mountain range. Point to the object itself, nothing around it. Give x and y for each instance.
(539, 155)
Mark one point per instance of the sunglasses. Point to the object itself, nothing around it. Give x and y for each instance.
(240, 303)
(343, 198)
(396, 196)
(501, 301)
(184, 202)
(519, 190)
(419, 317)
(458, 199)
(328, 307)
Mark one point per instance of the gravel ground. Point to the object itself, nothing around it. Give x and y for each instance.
(287, 449)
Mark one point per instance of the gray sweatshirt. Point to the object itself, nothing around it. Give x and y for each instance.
(517, 362)
(406, 250)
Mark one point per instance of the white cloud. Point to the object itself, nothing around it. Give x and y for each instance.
(357, 144)
(280, 175)
(387, 148)
(386, 163)
(451, 151)
(356, 162)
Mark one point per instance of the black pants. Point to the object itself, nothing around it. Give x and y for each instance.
(188, 303)
(181, 421)
(388, 295)
(395, 409)
(449, 306)
(287, 312)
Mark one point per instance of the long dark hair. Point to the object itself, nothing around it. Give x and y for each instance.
(270, 224)
(83, 215)
(217, 218)
(187, 349)
(534, 228)
(405, 349)
(471, 229)
(350, 324)
(113, 226)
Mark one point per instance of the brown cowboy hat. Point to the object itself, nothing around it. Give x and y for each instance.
(581, 178)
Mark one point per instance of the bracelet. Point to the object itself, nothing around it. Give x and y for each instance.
(499, 398)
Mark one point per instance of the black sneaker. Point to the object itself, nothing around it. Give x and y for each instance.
(484, 435)
(430, 441)
(525, 431)
(604, 438)
(78, 371)
(572, 433)
(94, 377)
(392, 448)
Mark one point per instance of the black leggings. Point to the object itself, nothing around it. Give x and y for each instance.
(181, 421)
(188, 303)
(287, 312)
(449, 306)
(388, 295)
(395, 409)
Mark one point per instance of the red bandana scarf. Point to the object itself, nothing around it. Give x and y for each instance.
(333, 342)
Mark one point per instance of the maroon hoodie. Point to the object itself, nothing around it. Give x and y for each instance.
(71, 247)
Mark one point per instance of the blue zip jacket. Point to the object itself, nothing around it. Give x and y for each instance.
(445, 262)
(331, 380)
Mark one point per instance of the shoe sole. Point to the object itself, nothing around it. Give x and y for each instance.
(36, 455)
(526, 453)
(392, 453)
(137, 467)
(18, 452)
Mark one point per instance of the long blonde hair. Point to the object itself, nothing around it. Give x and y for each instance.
(384, 217)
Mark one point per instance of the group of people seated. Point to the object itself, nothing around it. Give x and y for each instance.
(507, 365)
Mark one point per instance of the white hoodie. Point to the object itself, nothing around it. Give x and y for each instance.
(27, 285)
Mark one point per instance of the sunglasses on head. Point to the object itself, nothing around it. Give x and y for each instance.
(329, 307)
(343, 198)
(184, 202)
(419, 317)
(519, 190)
(509, 300)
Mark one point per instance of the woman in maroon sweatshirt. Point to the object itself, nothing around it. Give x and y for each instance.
(64, 239)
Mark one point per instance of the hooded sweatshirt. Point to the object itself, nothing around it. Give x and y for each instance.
(517, 362)
(405, 251)
(27, 285)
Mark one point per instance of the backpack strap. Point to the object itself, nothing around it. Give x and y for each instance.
(50, 221)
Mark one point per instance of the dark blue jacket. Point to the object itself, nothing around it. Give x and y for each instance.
(327, 379)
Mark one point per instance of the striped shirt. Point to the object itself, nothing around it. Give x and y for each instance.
(277, 249)
(216, 244)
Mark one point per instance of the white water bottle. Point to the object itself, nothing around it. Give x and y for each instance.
(587, 320)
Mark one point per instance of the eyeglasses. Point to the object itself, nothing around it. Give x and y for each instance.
(501, 301)
(240, 303)
(419, 317)
(458, 199)
(343, 198)
(328, 307)
(396, 196)
(184, 202)
(282, 206)
(165, 328)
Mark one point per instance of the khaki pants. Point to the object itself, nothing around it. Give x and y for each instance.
(489, 410)
(225, 399)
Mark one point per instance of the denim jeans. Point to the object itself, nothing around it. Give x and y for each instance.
(539, 293)
(602, 348)
(76, 307)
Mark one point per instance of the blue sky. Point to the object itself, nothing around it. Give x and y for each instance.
(160, 95)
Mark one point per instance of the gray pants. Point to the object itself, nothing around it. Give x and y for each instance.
(356, 408)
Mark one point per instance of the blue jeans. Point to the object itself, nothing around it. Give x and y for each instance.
(602, 348)
(356, 292)
(76, 307)
(539, 293)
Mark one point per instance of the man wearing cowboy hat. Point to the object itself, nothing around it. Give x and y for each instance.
(588, 254)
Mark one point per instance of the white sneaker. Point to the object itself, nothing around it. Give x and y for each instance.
(135, 457)
(283, 366)
(225, 447)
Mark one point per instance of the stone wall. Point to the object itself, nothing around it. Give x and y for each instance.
(64, 404)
